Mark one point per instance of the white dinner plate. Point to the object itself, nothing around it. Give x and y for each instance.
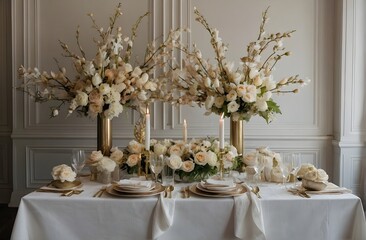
(112, 191)
(133, 188)
(241, 189)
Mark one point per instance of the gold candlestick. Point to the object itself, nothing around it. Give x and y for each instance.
(221, 159)
(147, 161)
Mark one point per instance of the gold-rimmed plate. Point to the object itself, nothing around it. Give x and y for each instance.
(70, 186)
(134, 189)
(224, 189)
(241, 189)
(158, 189)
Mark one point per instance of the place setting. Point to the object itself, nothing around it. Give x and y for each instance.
(216, 188)
(64, 182)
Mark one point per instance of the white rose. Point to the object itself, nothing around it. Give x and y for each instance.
(135, 147)
(132, 160)
(250, 159)
(187, 166)
(311, 174)
(175, 150)
(104, 88)
(81, 98)
(231, 96)
(233, 107)
(96, 80)
(106, 164)
(96, 156)
(304, 168)
(211, 158)
(261, 104)
(322, 176)
(174, 162)
(160, 149)
(114, 110)
(63, 173)
(117, 156)
(219, 101)
(200, 158)
(241, 90)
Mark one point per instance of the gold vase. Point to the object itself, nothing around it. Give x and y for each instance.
(237, 135)
(104, 134)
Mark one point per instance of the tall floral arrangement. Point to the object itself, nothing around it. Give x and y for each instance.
(106, 83)
(222, 88)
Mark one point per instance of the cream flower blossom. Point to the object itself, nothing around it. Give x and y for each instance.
(63, 173)
(133, 160)
(160, 149)
(174, 162)
(187, 166)
(105, 164)
(135, 147)
(233, 107)
(211, 158)
(96, 156)
(116, 155)
(200, 158)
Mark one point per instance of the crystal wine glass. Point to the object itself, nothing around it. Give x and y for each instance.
(156, 164)
(78, 160)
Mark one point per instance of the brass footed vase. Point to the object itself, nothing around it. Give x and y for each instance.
(237, 135)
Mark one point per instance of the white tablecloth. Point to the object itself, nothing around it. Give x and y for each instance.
(49, 216)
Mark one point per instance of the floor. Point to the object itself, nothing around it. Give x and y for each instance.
(7, 218)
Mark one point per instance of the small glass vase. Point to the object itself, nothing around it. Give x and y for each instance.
(116, 176)
(104, 177)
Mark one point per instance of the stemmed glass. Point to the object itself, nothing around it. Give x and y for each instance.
(78, 160)
(156, 164)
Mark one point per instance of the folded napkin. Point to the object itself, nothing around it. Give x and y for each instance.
(136, 183)
(248, 218)
(219, 183)
(163, 216)
(331, 188)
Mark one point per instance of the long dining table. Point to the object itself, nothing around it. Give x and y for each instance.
(48, 215)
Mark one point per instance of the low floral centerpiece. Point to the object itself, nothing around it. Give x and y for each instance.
(103, 166)
(264, 163)
(312, 178)
(192, 161)
(63, 176)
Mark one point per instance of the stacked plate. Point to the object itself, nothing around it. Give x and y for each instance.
(135, 188)
(217, 188)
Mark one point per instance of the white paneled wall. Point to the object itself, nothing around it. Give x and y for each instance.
(305, 126)
(349, 146)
